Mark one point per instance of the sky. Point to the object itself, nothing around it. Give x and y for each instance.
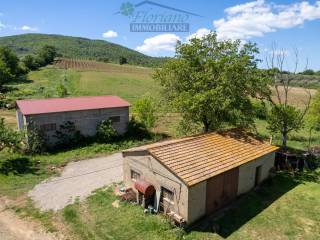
(288, 24)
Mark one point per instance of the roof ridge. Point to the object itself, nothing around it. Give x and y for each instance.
(64, 98)
(184, 139)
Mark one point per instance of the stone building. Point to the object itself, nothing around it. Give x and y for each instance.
(85, 112)
(195, 176)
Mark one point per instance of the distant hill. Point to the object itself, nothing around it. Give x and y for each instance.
(77, 47)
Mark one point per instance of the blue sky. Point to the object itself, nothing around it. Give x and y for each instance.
(291, 24)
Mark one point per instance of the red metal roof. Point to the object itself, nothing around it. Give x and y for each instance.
(53, 105)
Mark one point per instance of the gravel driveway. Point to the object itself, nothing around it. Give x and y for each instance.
(78, 179)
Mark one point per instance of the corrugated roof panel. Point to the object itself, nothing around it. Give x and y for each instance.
(53, 105)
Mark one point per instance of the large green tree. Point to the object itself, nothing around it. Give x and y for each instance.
(212, 82)
(46, 55)
(9, 66)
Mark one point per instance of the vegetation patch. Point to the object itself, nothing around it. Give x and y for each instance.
(283, 207)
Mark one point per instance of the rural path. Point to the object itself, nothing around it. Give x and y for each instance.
(77, 180)
(14, 228)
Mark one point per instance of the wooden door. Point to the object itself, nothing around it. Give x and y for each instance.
(221, 190)
(214, 193)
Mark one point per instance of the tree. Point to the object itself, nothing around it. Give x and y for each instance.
(9, 66)
(212, 82)
(145, 111)
(284, 118)
(308, 72)
(30, 62)
(46, 55)
(313, 116)
(9, 138)
(123, 60)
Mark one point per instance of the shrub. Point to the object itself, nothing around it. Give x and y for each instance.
(106, 132)
(145, 111)
(36, 140)
(137, 130)
(260, 109)
(68, 135)
(9, 138)
(123, 60)
(30, 62)
(62, 91)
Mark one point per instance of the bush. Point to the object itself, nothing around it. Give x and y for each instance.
(106, 132)
(9, 138)
(137, 130)
(30, 62)
(36, 140)
(62, 91)
(145, 111)
(123, 60)
(260, 109)
(68, 135)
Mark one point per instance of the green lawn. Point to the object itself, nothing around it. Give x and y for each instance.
(296, 140)
(122, 81)
(285, 208)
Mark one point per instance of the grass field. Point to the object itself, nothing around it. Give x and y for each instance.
(130, 83)
(285, 208)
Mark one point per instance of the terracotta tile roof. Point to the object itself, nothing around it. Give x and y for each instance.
(53, 105)
(195, 159)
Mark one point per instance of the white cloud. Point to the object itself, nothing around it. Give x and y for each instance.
(254, 19)
(200, 33)
(162, 42)
(28, 28)
(110, 34)
(2, 25)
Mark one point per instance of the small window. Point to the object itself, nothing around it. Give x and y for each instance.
(115, 119)
(167, 194)
(135, 175)
(48, 127)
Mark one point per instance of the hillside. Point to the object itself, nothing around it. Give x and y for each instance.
(76, 47)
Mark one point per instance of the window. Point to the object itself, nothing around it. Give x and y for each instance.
(134, 175)
(115, 119)
(167, 194)
(48, 127)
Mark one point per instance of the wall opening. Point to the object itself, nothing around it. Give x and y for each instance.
(257, 179)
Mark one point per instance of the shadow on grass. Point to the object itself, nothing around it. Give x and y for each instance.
(120, 142)
(228, 220)
(18, 166)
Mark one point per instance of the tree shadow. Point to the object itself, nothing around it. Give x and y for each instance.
(18, 166)
(230, 219)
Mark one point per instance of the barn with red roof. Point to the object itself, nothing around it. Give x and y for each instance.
(85, 112)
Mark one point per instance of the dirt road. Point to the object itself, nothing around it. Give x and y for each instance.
(77, 180)
(14, 228)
